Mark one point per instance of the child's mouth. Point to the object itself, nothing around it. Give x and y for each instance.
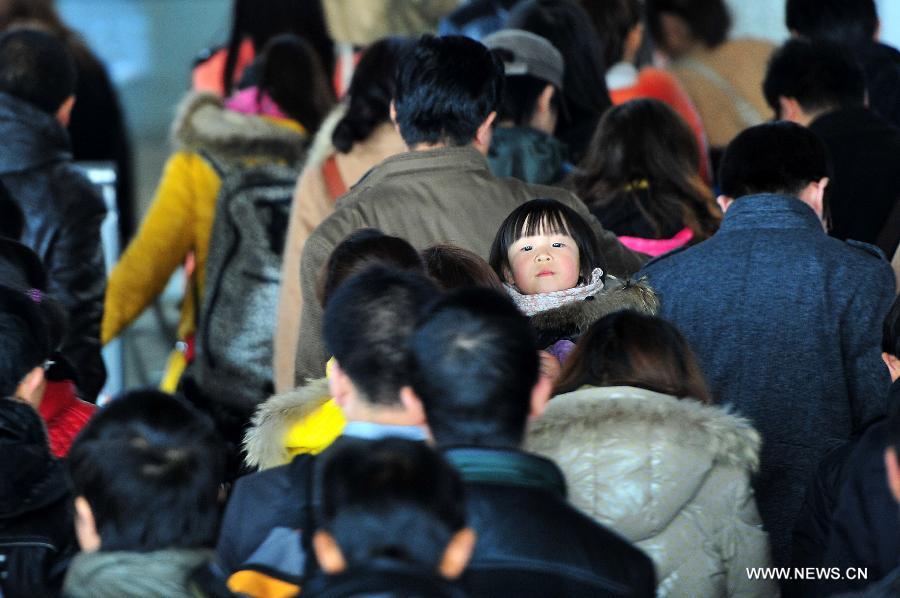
(545, 273)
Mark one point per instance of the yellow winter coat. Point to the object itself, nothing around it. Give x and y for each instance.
(179, 221)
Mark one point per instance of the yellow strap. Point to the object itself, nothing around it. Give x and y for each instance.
(259, 585)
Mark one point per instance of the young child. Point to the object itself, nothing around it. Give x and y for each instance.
(549, 259)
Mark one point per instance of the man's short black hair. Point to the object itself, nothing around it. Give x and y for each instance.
(474, 366)
(393, 498)
(821, 75)
(446, 87)
(37, 68)
(26, 339)
(150, 465)
(850, 22)
(780, 157)
(367, 324)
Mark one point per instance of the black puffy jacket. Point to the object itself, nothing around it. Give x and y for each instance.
(37, 535)
(531, 542)
(63, 213)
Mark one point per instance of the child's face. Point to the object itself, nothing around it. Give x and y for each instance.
(544, 263)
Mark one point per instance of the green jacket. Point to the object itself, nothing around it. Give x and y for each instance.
(446, 195)
(158, 574)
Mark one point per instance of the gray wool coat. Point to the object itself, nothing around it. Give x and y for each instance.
(786, 324)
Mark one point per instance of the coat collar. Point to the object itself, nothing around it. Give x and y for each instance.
(770, 211)
(204, 124)
(465, 158)
(506, 467)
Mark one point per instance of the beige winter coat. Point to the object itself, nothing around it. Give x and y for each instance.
(672, 476)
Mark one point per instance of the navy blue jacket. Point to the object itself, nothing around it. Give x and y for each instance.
(786, 324)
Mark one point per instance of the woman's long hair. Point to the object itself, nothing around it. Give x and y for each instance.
(566, 25)
(292, 76)
(645, 154)
(370, 93)
(261, 20)
(627, 348)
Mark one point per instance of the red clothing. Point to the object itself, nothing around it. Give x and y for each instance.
(660, 85)
(64, 414)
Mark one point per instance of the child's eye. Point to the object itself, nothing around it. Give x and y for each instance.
(559, 244)
(526, 248)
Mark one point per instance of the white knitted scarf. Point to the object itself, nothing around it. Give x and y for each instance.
(532, 304)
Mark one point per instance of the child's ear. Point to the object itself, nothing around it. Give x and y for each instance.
(328, 553)
(508, 275)
(458, 553)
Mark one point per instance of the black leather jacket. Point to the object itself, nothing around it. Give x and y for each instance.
(531, 542)
(37, 532)
(63, 213)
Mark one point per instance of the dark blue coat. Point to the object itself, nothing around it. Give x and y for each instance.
(786, 323)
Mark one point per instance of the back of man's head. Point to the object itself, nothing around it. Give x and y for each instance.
(780, 157)
(821, 75)
(474, 366)
(27, 340)
(367, 324)
(847, 21)
(393, 498)
(149, 466)
(37, 68)
(446, 88)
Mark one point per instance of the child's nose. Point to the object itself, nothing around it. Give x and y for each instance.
(543, 256)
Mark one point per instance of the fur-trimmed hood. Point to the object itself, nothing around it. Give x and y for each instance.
(204, 124)
(634, 458)
(264, 440)
(574, 318)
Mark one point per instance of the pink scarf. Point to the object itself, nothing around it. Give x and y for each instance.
(251, 101)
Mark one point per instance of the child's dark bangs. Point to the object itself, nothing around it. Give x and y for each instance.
(545, 221)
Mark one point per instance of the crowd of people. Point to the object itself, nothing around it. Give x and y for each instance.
(577, 298)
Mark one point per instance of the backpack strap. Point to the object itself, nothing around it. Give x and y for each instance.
(749, 115)
(334, 184)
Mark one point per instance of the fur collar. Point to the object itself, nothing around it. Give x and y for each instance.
(204, 124)
(574, 318)
(264, 439)
(728, 438)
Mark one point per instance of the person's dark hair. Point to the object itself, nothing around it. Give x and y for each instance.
(371, 91)
(890, 331)
(545, 216)
(850, 22)
(474, 367)
(367, 324)
(627, 348)
(585, 97)
(453, 267)
(520, 96)
(618, 163)
(779, 157)
(261, 21)
(821, 75)
(394, 498)
(150, 465)
(614, 20)
(37, 68)
(359, 250)
(708, 20)
(446, 88)
(27, 339)
(292, 76)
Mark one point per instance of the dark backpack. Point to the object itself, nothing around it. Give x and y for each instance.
(236, 322)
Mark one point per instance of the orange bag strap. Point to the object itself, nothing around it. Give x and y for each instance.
(334, 184)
